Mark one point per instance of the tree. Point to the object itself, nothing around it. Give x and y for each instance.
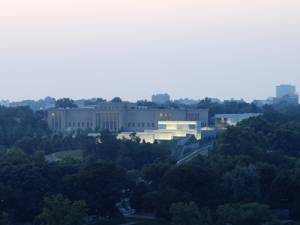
(189, 214)
(247, 214)
(23, 185)
(65, 103)
(4, 220)
(192, 182)
(107, 148)
(116, 100)
(242, 185)
(20, 122)
(154, 173)
(60, 211)
(101, 185)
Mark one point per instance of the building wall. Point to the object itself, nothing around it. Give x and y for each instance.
(285, 90)
(140, 120)
(118, 116)
(62, 120)
(198, 115)
(110, 116)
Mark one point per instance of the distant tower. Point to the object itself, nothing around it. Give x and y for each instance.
(285, 90)
(287, 93)
(161, 98)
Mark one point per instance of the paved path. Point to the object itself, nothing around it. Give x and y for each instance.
(201, 151)
(141, 217)
(131, 223)
(52, 158)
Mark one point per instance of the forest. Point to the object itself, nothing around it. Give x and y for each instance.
(250, 177)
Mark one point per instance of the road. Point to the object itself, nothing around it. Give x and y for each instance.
(52, 158)
(201, 151)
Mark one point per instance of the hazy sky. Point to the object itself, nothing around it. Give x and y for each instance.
(134, 48)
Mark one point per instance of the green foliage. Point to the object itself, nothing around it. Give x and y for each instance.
(69, 155)
(60, 211)
(256, 161)
(116, 100)
(242, 185)
(248, 214)
(194, 182)
(19, 123)
(65, 103)
(23, 182)
(101, 185)
(273, 132)
(189, 214)
(4, 219)
(130, 154)
(154, 173)
(227, 107)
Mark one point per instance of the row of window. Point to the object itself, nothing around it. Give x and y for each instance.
(193, 116)
(81, 124)
(111, 125)
(141, 124)
(165, 115)
(109, 108)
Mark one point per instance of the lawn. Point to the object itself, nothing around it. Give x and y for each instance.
(149, 222)
(73, 154)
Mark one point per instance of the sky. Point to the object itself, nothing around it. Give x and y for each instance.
(134, 48)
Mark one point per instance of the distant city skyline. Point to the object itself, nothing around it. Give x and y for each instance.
(142, 96)
(136, 48)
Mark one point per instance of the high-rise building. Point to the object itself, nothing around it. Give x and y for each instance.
(287, 94)
(285, 90)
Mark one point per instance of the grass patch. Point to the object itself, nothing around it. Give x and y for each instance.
(148, 222)
(72, 154)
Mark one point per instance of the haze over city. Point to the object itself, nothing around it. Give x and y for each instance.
(149, 112)
(80, 49)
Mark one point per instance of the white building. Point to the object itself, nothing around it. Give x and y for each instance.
(167, 131)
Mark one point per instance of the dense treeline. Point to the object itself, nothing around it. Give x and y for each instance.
(26, 180)
(25, 129)
(251, 177)
(18, 123)
(227, 107)
(253, 170)
(213, 107)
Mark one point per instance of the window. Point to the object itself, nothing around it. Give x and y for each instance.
(138, 124)
(192, 127)
(162, 126)
(153, 125)
(143, 124)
